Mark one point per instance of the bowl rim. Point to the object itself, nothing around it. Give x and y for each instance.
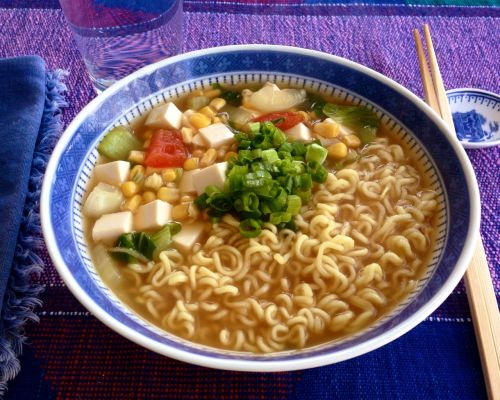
(270, 365)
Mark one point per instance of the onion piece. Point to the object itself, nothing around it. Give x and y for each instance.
(271, 98)
(103, 199)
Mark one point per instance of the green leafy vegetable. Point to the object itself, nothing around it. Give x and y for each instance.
(316, 103)
(232, 97)
(118, 143)
(138, 242)
(163, 238)
(140, 246)
(363, 121)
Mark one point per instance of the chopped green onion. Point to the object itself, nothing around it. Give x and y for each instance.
(253, 127)
(201, 201)
(277, 218)
(250, 228)
(316, 152)
(298, 148)
(294, 203)
(268, 181)
(210, 190)
(220, 202)
(270, 156)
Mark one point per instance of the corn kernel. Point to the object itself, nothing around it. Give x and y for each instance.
(327, 129)
(132, 203)
(136, 156)
(221, 153)
(217, 103)
(337, 151)
(146, 143)
(208, 158)
(216, 120)
(180, 212)
(213, 93)
(148, 197)
(229, 155)
(191, 163)
(147, 135)
(153, 182)
(187, 135)
(199, 120)
(170, 195)
(137, 174)
(351, 141)
(207, 111)
(129, 188)
(169, 175)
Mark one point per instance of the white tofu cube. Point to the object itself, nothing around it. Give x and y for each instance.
(167, 116)
(188, 236)
(114, 173)
(299, 132)
(152, 215)
(110, 226)
(217, 135)
(213, 175)
(186, 184)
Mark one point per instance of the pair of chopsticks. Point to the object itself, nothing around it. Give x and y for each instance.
(480, 293)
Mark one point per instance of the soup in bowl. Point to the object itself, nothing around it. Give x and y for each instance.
(259, 208)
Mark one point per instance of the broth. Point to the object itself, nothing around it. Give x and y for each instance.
(361, 245)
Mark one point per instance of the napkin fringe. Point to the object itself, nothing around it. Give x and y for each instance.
(23, 289)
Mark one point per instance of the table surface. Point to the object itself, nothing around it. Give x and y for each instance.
(69, 354)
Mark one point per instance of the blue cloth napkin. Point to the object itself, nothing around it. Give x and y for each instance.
(30, 100)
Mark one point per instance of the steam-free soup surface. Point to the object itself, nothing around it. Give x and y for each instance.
(240, 275)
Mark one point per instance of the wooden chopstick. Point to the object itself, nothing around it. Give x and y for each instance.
(480, 292)
(439, 90)
(430, 94)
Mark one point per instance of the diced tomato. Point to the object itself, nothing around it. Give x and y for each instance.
(284, 120)
(166, 149)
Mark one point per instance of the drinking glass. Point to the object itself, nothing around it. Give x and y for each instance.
(117, 37)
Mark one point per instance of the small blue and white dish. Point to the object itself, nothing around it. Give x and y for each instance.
(476, 116)
(402, 112)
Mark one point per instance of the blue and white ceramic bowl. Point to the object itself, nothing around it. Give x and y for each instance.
(476, 116)
(404, 113)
